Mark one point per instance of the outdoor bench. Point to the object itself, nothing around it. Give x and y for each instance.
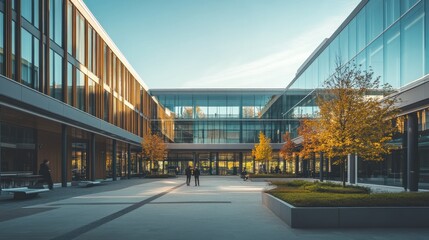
(24, 192)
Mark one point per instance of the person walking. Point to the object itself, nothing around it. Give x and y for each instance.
(197, 176)
(188, 174)
(46, 173)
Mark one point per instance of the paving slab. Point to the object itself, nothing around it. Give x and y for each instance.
(220, 208)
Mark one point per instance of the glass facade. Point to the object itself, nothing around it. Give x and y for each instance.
(388, 37)
(212, 117)
(69, 65)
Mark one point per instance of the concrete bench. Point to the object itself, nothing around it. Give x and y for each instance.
(88, 183)
(24, 192)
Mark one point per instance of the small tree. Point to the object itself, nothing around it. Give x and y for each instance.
(262, 151)
(154, 148)
(353, 117)
(288, 148)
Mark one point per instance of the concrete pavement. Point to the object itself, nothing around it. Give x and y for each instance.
(221, 208)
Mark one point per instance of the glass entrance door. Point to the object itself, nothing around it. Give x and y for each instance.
(79, 161)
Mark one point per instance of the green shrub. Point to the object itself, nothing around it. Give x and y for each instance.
(160, 176)
(259, 175)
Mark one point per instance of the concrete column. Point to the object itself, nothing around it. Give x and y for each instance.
(129, 161)
(92, 157)
(64, 148)
(313, 164)
(217, 163)
(296, 164)
(404, 162)
(412, 153)
(240, 162)
(321, 167)
(114, 160)
(351, 168)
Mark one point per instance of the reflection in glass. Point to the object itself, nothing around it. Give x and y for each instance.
(412, 46)
(391, 12)
(2, 43)
(80, 38)
(26, 57)
(70, 96)
(55, 80)
(55, 23)
(91, 102)
(375, 58)
(80, 90)
(392, 59)
(69, 27)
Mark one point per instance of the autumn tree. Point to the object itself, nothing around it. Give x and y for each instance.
(154, 148)
(354, 117)
(288, 148)
(262, 151)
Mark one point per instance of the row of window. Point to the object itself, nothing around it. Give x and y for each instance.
(386, 36)
(105, 89)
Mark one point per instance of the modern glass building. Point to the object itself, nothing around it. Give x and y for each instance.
(391, 38)
(68, 95)
(217, 128)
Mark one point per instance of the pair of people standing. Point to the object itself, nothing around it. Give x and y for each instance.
(189, 172)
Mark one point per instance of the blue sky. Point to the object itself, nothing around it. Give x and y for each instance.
(219, 43)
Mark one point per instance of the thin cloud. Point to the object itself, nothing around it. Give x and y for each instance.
(276, 69)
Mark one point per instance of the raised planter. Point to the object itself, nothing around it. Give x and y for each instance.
(360, 217)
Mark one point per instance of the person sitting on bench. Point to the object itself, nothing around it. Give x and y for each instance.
(46, 173)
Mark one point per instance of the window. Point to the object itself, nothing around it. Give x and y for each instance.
(27, 58)
(80, 90)
(80, 38)
(391, 12)
(352, 38)
(361, 30)
(55, 23)
(407, 4)
(375, 58)
(392, 60)
(91, 99)
(69, 28)
(70, 84)
(374, 19)
(30, 11)
(2, 71)
(55, 79)
(412, 46)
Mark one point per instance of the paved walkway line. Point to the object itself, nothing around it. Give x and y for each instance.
(86, 228)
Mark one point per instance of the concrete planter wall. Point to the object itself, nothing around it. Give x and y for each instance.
(326, 217)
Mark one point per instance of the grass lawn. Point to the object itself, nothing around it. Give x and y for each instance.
(315, 194)
(271, 175)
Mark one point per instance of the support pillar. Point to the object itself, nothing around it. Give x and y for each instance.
(92, 157)
(296, 164)
(114, 160)
(64, 145)
(351, 168)
(412, 153)
(313, 165)
(404, 165)
(217, 163)
(321, 167)
(129, 161)
(240, 162)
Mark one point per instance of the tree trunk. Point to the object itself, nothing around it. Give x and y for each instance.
(343, 172)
